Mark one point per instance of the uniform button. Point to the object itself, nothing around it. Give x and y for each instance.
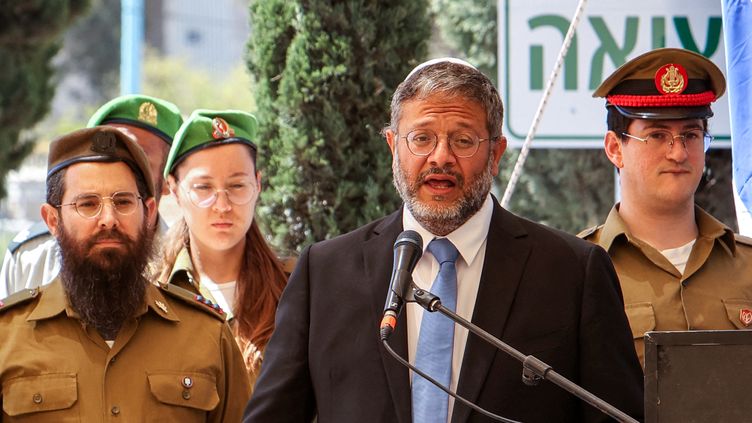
(115, 410)
(37, 398)
(186, 394)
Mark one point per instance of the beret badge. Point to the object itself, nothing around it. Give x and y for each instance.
(147, 112)
(103, 143)
(221, 129)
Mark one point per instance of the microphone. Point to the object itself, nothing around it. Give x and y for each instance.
(407, 251)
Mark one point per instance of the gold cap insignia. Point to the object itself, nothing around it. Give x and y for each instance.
(671, 79)
(221, 129)
(147, 112)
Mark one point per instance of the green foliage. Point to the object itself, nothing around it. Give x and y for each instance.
(470, 28)
(566, 189)
(29, 39)
(325, 74)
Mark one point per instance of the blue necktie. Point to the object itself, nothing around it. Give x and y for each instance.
(436, 340)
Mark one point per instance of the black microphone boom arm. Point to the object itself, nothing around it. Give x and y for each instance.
(533, 369)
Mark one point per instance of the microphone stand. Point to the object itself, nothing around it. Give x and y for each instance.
(533, 369)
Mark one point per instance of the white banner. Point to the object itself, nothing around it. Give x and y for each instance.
(610, 33)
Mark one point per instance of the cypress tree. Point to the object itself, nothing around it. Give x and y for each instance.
(30, 33)
(325, 73)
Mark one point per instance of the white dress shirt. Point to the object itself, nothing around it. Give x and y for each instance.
(470, 240)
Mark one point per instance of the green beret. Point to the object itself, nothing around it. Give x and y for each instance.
(211, 128)
(153, 114)
(664, 84)
(99, 144)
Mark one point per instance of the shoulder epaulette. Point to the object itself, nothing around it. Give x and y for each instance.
(741, 239)
(587, 232)
(196, 300)
(19, 297)
(35, 231)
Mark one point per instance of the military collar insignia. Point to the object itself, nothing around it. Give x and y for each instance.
(745, 316)
(221, 129)
(671, 79)
(207, 302)
(162, 306)
(147, 112)
(103, 143)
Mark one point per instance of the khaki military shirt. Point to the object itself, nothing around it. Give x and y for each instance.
(715, 291)
(182, 276)
(175, 362)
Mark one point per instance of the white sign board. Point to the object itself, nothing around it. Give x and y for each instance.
(610, 33)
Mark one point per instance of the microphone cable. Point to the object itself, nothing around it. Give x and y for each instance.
(440, 386)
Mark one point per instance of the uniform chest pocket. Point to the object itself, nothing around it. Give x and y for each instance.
(641, 318)
(49, 394)
(189, 389)
(739, 312)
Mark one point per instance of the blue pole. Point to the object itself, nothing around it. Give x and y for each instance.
(737, 30)
(131, 42)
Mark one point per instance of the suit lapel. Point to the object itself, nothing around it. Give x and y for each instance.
(507, 252)
(378, 257)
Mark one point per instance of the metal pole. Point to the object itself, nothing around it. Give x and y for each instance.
(131, 42)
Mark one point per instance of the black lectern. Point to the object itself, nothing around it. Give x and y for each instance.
(698, 376)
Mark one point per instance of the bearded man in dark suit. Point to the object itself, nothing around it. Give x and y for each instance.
(542, 291)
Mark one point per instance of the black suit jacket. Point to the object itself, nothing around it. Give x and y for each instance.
(542, 291)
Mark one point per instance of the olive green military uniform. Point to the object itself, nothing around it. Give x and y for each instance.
(176, 361)
(715, 291)
(182, 276)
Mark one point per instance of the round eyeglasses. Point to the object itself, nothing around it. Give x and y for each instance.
(662, 137)
(205, 195)
(422, 142)
(90, 205)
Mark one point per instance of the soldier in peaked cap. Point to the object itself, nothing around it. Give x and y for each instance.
(133, 351)
(217, 249)
(31, 258)
(679, 268)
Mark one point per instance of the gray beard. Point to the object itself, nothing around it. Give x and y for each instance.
(442, 220)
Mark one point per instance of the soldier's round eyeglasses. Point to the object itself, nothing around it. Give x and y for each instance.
(90, 205)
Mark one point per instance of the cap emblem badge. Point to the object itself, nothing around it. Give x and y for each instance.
(745, 316)
(221, 129)
(671, 79)
(103, 143)
(147, 112)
